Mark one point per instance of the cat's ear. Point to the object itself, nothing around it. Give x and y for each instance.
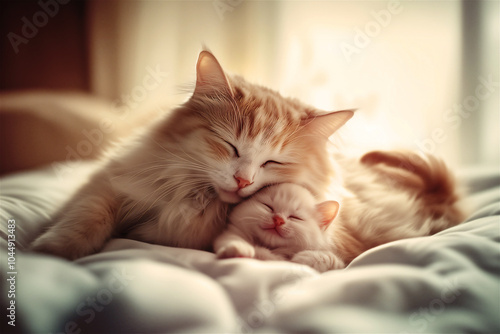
(328, 211)
(325, 125)
(210, 77)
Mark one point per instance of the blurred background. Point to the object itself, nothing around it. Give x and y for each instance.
(423, 74)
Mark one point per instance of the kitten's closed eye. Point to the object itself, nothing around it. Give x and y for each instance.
(269, 207)
(296, 218)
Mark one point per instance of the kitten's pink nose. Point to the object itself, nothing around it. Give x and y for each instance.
(242, 183)
(278, 221)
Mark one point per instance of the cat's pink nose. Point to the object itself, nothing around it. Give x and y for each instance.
(278, 221)
(242, 183)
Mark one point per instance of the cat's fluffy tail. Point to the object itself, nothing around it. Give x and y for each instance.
(425, 175)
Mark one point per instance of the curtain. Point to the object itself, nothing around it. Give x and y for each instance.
(401, 63)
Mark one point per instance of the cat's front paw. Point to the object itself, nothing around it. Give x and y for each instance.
(60, 248)
(320, 260)
(55, 250)
(236, 249)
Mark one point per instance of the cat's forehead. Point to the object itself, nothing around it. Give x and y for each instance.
(269, 103)
(257, 145)
(266, 117)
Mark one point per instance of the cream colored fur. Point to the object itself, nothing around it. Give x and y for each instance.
(281, 222)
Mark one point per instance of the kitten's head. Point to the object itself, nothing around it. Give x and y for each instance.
(285, 215)
(245, 137)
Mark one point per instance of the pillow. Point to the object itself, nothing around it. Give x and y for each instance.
(38, 128)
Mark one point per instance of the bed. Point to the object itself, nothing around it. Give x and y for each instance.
(446, 283)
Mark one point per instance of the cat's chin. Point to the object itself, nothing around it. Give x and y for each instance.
(274, 231)
(230, 197)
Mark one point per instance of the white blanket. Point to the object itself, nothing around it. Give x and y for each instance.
(447, 283)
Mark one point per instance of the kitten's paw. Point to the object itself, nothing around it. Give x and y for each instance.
(320, 260)
(236, 249)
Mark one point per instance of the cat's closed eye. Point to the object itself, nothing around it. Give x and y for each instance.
(295, 217)
(269, 207)
(270, 162)
(235, 150)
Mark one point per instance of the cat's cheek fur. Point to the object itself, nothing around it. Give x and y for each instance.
(271, 239)
(222, 175)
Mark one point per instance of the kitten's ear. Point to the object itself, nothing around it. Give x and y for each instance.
(210, 77)
(328, 211)
(326, 125)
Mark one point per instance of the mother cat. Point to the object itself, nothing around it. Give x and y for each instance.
(174, 184)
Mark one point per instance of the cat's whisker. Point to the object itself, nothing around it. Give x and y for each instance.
(171, 153)
(168, 168)
(183, 161)
(143, 171)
